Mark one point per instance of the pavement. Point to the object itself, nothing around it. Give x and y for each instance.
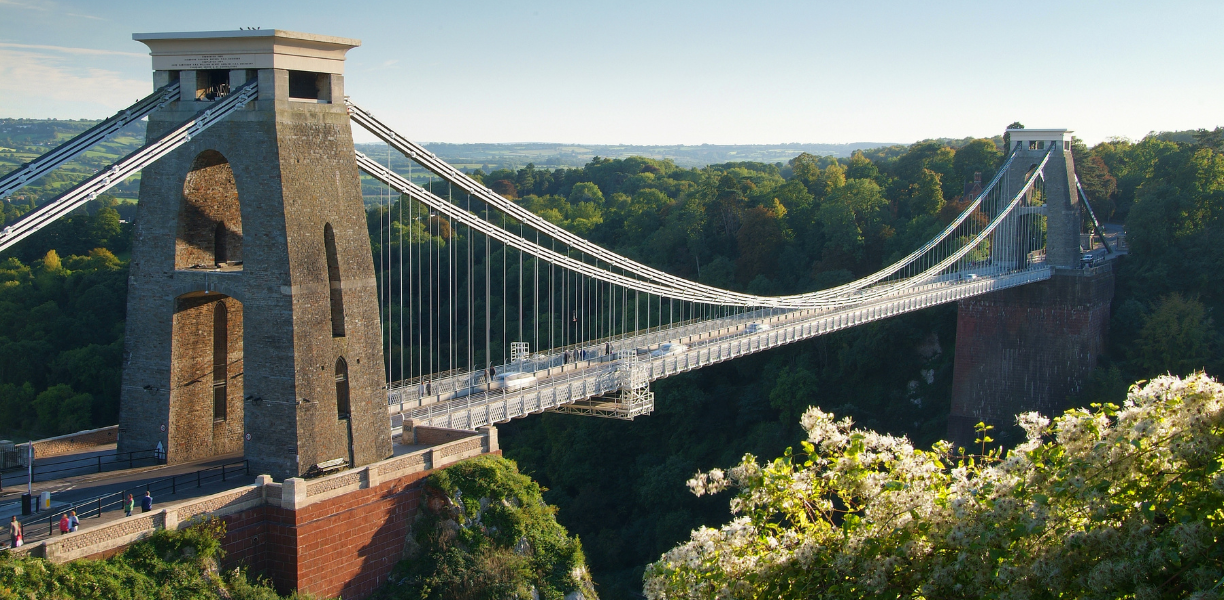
(68, 491)
(98, 459)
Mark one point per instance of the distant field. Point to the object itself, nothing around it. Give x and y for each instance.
(23, 140)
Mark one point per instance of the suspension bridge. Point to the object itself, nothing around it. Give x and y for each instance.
(255, 294)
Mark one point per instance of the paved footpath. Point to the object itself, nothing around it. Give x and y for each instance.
(69, 490)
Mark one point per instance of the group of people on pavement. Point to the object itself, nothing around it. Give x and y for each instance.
(69, 522)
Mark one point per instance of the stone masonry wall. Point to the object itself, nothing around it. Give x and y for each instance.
(430, 436)
(1027, 348)
(311, 144)
(294, 170)
(67, 444)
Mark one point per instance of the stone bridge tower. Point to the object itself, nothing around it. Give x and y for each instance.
(1032, 347)
(253, 320)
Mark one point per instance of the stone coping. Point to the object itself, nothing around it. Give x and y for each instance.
(292, 494)
(68, 443)
(297, 492)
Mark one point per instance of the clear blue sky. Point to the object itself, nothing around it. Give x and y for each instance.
(677, 72)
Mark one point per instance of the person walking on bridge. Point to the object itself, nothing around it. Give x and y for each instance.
(146, 503)
(128, 505)
(73, 522)
(15, 537)
(64, 526)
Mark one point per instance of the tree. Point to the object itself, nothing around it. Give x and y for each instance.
(760, 239)
(1178, 337)
(586, 192)
(1100, 186)
(805, 168)
(927, 198)
(1116, 502)
(829, 180)
(51, 261)
(505, 188)
(1007, 145)
(484, 532)
(978, 156)
(861, 167)
(1210, 138)
(60, 410)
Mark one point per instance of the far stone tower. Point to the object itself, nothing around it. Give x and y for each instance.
(253, 319)
(1032, 348)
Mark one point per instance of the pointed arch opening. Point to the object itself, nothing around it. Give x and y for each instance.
(210, 217)
(206, 377)
(342, 389)
(333, 281)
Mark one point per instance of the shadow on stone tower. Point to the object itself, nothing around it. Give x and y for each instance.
(253, 318)
(1032, 348)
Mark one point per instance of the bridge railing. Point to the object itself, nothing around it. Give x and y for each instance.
(91, 464)
(450, 384)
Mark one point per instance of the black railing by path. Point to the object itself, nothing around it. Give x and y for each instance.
(89, 464)
(113, 502)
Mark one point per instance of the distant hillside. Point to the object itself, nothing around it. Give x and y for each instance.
(489, 157)
(22, 140)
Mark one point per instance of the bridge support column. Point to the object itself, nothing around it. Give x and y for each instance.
(1029, 348)
(262, 213)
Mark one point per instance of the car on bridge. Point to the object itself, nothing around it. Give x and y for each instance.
(669, 349)
(513, 380)
(758, 327)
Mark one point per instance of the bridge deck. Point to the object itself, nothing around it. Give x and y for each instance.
(708, 342)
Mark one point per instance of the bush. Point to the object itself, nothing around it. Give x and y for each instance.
(1113, 502)
(484, 532)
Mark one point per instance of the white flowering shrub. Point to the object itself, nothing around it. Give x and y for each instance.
(1114, 502)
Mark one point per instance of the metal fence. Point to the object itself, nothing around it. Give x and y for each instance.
(43, 527)
(87, 465)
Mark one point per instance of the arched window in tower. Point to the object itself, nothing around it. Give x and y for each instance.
(220, 361)
(333, 281)
(219, 254)
(342, 389)
(210, 215)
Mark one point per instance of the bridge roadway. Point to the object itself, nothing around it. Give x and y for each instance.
(471, 404)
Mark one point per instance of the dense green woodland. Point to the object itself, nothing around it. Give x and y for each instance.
(765, 228)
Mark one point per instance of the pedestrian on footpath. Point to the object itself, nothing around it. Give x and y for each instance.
(64, 524)
(146, 503)
(15, 537)
(73, 522)
(128, 505)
